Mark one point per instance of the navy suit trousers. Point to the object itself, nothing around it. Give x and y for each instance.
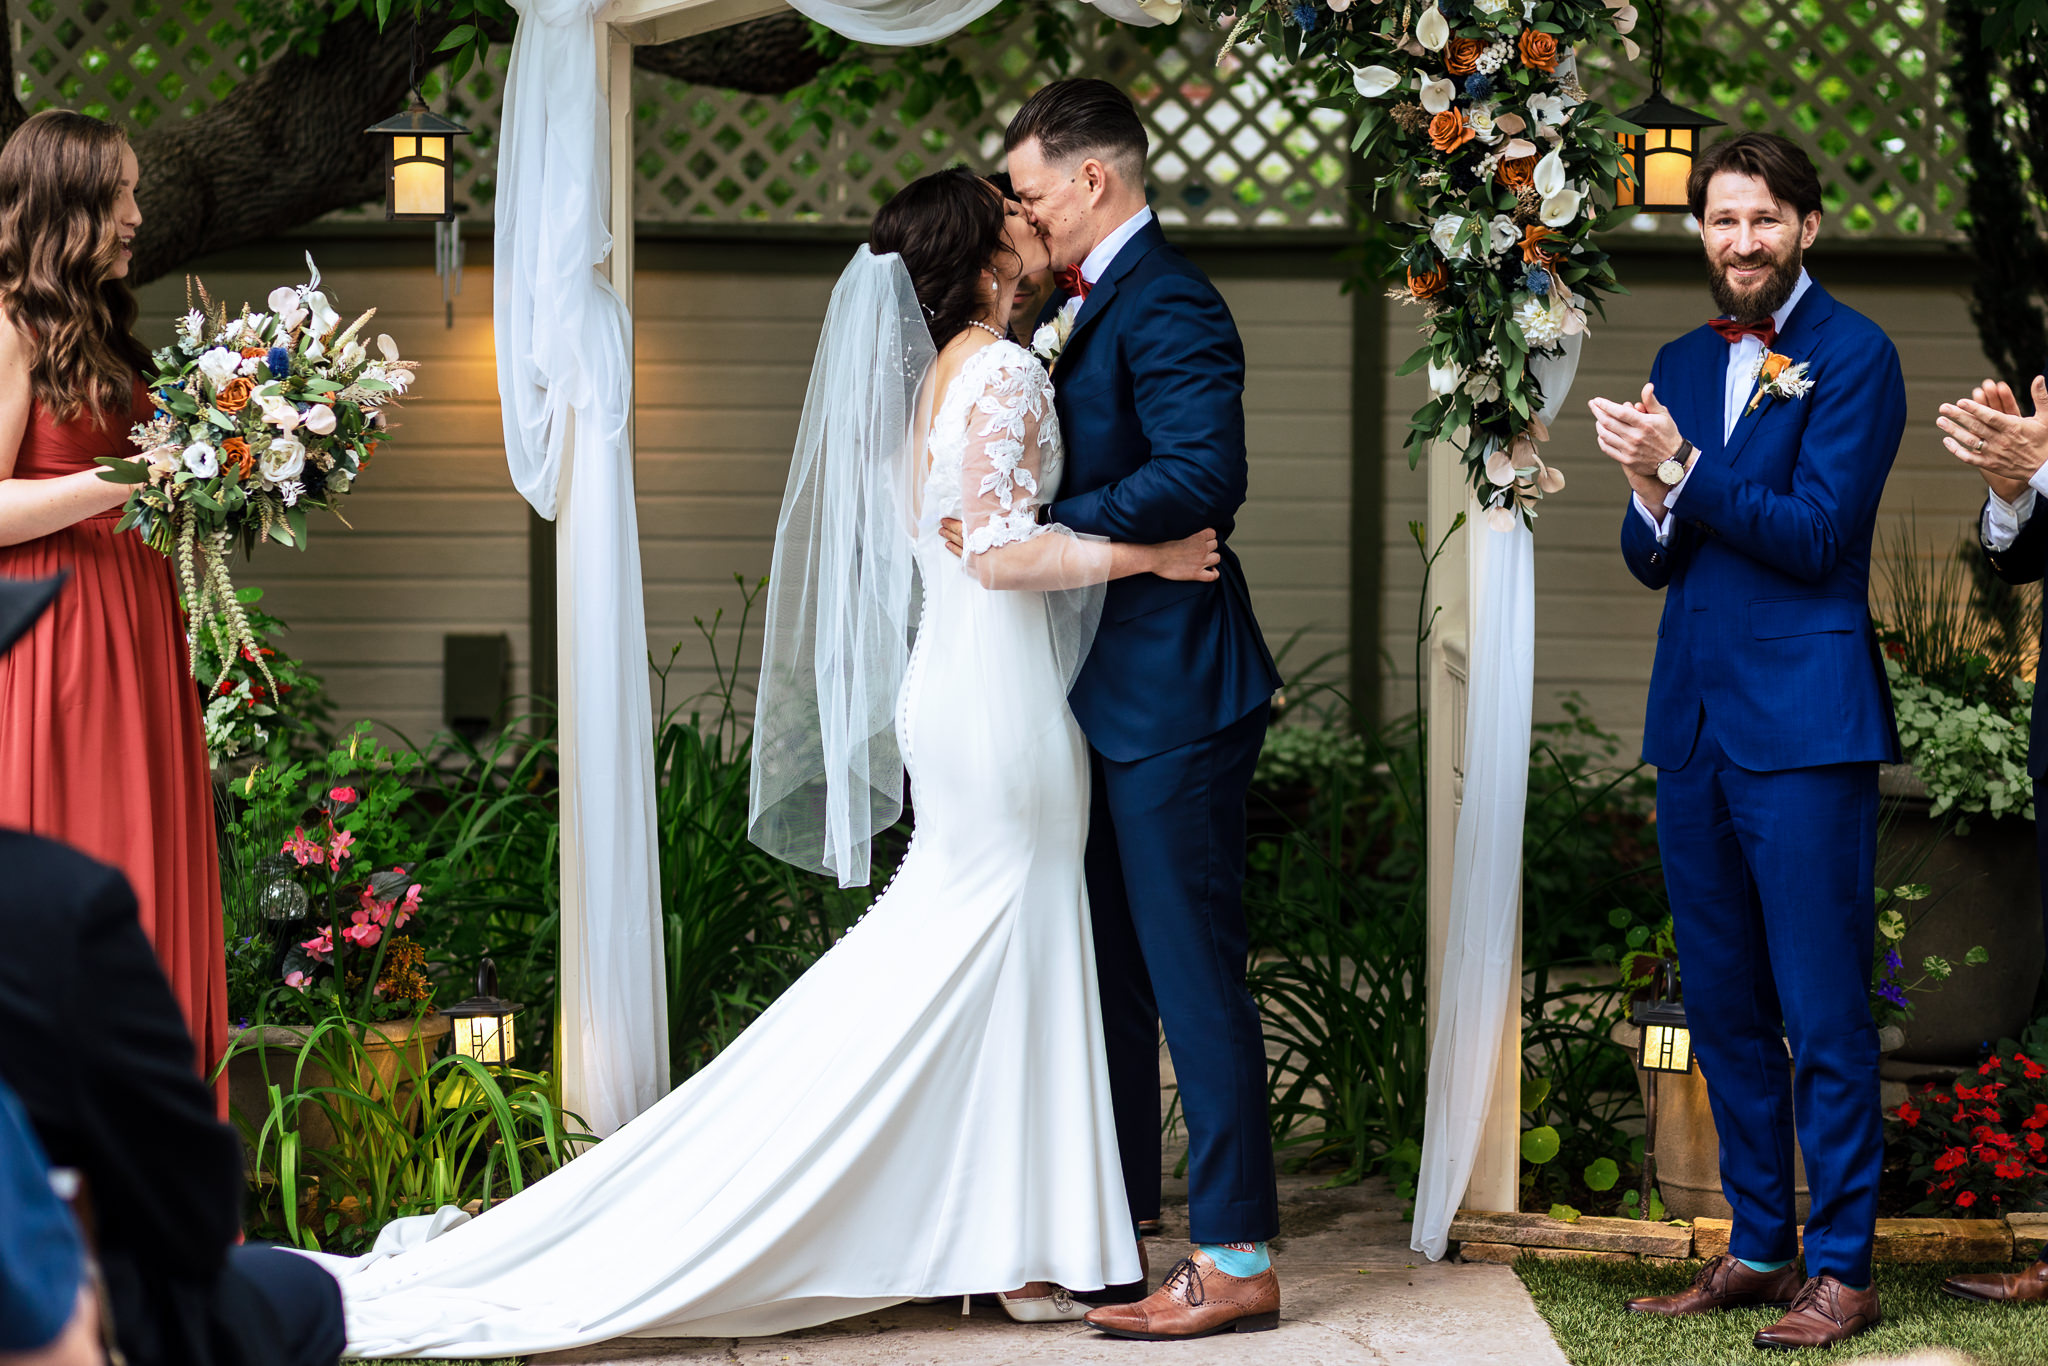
(1165, 866)
(1771, 876)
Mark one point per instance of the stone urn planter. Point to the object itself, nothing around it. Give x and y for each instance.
(394, 1052)
(1986, 890)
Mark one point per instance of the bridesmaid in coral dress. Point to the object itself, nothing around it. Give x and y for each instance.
(101, 744)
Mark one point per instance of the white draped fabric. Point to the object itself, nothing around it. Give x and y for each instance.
(907, 23)
(1478, 985)
(565, 356)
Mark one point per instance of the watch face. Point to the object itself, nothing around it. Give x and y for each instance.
(1670, 472)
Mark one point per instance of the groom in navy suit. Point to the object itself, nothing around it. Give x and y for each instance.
(1148, 374)
(1757, 455)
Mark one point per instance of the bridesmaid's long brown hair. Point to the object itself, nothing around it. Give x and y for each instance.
(59, 177)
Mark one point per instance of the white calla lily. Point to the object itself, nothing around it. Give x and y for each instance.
(1374, 81)
(1432, 30)
(1561, 208)
(1437, 95)
(1550, 173)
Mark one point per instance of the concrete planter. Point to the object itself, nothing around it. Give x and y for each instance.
(394, 1052)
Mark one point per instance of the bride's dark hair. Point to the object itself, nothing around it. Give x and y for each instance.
(948, 228)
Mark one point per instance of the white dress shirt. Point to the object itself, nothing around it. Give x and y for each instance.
(1105, 251)
(2003, 520)
(1737, 385)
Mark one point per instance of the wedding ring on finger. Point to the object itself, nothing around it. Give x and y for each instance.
(1980, 445)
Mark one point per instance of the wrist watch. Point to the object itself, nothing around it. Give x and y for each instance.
(1673, 470)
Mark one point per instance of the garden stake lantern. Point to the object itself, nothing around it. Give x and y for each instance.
(1666, 1047)
(419, 179)
(1660, 158)
(483, 1023)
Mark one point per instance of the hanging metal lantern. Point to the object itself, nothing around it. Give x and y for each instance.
(1660, 158)
(419, 179)
(483, 1023)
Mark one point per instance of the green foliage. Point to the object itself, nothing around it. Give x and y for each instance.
(245, 718)
(1972, 756)
(1589, 848)
(1952, 625)
(341, 1151)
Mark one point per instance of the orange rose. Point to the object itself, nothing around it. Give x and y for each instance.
(369, 449)
(1448, 131)
(1431, 282)
(234, 452)
(1533, 250)
(252, 352)
(1539, 50)
(1517, 173)
(1461, 58)
(1774, 364)
(234, 395)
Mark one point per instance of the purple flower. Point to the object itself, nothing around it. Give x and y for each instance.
(1893, 992)
(1892, 961)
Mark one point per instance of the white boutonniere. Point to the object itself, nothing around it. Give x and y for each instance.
(1051, 337)
(1778, 377)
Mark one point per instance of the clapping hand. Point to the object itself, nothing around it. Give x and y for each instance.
(1987, 431)
(1638, 437)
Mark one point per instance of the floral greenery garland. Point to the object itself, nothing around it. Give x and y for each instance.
(1474, 111)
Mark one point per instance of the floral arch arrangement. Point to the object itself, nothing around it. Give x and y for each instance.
(1473, 112)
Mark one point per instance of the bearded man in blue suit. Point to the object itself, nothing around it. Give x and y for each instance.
(1148, 376)
(1757, 455)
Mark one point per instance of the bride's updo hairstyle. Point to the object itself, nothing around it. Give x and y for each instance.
(948, 228)
(60, 174)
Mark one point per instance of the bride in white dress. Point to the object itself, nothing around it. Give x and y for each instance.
(926, 1112)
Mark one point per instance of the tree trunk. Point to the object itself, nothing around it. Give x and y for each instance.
(286, 146)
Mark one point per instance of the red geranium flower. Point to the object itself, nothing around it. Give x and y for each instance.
(2037, 1120)
(1965, 1199)
(1908, 1115)
(1950, 1160)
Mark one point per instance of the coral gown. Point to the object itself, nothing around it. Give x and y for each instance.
(101, 744)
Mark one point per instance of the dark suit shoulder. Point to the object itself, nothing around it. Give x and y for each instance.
(46, 886)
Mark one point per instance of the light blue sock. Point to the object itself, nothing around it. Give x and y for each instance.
(1766, 1267)
(1238, 1259)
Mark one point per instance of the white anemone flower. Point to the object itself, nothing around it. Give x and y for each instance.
(1432, 30)
(1503, 234)
(1550, 173)
(1561, 208)
(1436, 95)
(1549, 111)
(1374, 81)
(202, 459)
(283, 460)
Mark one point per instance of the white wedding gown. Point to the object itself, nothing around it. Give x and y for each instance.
(925, 1112)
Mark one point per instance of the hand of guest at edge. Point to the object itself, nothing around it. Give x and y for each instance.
(1986, 430)
(1638, 437)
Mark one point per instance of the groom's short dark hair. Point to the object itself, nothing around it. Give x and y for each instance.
(1081, 117)
(1778, 162)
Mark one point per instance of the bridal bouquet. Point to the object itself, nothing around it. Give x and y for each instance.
(260, 417)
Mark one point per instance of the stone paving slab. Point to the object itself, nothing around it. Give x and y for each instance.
(1352, 1295)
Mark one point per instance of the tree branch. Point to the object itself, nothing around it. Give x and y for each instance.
(764, 57)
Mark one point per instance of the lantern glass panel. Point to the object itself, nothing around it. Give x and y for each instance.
(419, 187)
(487, 1038)
(1667, 1048)
(1667, 165)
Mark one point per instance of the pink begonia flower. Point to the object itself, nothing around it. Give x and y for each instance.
(410, 906)
(297, 981)
(320, 947)
(342, 840)
(362, 934)
(342, 794)
(304, 850)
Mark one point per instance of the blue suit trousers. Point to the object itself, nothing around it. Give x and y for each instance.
(1165, 864)
(1771, 877)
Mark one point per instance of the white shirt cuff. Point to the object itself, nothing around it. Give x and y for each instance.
(1663, 528)
(2003, 520)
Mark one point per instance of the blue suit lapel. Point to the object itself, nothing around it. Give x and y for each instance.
(1143, 243)
(1816, 306)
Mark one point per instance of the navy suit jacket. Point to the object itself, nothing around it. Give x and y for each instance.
(1767, 609)
(1150, 395)
(2026, 561)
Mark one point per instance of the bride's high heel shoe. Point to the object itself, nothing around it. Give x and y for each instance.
(1042, 1302)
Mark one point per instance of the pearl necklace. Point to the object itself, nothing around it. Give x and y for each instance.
(976, 322)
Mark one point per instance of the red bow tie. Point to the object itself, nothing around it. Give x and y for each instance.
(1732, 331)
(1072, 282)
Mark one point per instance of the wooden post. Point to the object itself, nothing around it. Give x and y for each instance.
(1496, 1170)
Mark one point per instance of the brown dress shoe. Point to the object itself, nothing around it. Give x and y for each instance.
(2031, 1284)
(1196, 1301)
(1826, 1312)
(1725, 1283)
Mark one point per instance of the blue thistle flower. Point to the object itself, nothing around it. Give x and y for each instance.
(1537, 281)
(1305, 17)
(1479, 85)
(280, 362)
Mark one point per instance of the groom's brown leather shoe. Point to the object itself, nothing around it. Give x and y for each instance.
(1826, 1312)
(2031, 1284)
(1725, 1283)
(1196, 1301)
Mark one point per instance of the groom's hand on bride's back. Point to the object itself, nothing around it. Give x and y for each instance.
(949, 529)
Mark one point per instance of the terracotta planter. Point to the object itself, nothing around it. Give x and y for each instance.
(395, 1052)
(1986, 890)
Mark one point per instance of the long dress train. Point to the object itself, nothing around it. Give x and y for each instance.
(101, 744)
(926, 1111)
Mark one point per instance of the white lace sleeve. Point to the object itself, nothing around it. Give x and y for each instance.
(1010, 429)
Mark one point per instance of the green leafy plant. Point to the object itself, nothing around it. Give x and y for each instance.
(249, 717)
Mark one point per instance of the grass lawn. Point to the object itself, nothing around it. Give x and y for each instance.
(1582, 1301)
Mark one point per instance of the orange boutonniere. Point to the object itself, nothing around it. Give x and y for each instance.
(1778, 376)
(1449, 131)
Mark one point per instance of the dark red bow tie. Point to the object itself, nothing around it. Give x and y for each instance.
(1072, 282)
(1732, 331)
